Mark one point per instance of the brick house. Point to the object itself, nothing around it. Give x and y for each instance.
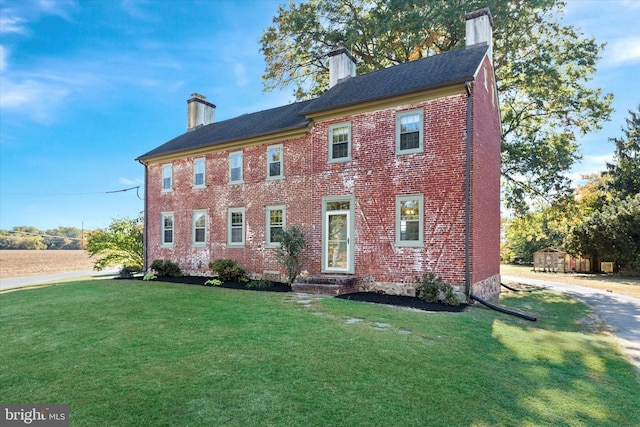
(390, 174)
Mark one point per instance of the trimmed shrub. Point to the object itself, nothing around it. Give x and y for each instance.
(228, 270)
(165, 267)
(292, 242)
(432, 288)
(259, 284)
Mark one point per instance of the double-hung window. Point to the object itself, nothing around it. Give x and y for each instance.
(167, 229)
(274, 162)
(236, 226)
(167, 177)
(409, 220)
(199, 173)
(235, 167)
(409, 132)
(340, 142)
(275, 225)
(199, 224)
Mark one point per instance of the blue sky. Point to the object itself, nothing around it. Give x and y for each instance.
(88, 86)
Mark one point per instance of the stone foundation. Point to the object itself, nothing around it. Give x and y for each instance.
(325, 284)
(389, 288)
(487, 289)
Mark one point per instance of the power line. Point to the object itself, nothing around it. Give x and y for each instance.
(137, 188)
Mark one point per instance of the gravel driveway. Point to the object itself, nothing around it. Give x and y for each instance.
(620, 312)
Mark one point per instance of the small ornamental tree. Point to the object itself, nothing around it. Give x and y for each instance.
(292, 242)
(120, 244)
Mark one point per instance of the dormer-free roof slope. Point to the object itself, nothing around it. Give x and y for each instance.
(432, 72)
(242, 127)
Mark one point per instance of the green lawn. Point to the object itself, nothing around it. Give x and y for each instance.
(131, 353)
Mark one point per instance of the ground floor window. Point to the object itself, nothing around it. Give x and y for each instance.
(409, 220)
(236, 225)
(167, 229)
(199, 227)
(275, 224)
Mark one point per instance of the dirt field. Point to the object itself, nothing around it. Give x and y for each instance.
(629, 286)
(32, 263)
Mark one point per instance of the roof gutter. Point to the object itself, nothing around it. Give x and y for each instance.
(467, 197)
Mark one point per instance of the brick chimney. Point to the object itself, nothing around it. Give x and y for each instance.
(480, 29)
(342, 65)
(199, 111)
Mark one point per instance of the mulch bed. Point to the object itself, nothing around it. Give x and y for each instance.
(402, 301)
(199, 280)
(395, 300)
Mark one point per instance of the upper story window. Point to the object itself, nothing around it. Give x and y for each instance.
(167, 177)
(409, 220)
(340, 142)
(275, 225)
(199, 172)
(236, 227)
(235, 167)
(274, 162)
(199, 222)
(409, 132)
(167, 229)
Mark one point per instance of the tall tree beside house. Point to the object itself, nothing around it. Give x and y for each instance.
(542, 71)
(624, 172)
(120, 244)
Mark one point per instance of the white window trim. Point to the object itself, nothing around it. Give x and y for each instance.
(230, 213)
(168, 166)
(410, 243)
(331, 129)
(241, 180)
(267, 235)
(401, 114)
(281, 176)
(193, 227)
(204, 172)
(163, 243)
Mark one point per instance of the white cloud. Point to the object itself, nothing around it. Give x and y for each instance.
(59, 8)
(624, 51)
(127, 181)
(36, 100)
(12, 24)
(3, 58)
(240, 74)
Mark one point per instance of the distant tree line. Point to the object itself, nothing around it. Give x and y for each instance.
(25, 237)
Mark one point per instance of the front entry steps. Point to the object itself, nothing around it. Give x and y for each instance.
(326, 284)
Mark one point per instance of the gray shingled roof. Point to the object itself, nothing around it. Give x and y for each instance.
(428, 73)
(245, 126)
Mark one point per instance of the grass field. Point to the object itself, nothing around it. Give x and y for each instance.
(124, 353)
(14, 263)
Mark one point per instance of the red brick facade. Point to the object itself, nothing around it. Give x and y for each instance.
(370, 181)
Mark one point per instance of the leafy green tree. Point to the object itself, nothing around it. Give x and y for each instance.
(542, 71)
(611, 233)
(119, 245)
(624, 172)
(529, 233)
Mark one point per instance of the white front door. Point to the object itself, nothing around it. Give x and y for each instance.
(338, 241)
